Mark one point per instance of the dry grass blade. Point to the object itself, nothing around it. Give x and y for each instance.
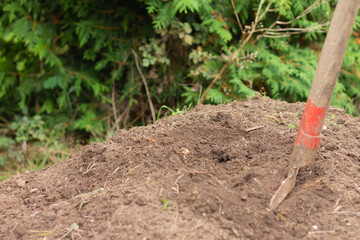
(145, 85)
(113, 94)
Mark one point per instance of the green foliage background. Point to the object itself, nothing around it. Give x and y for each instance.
(68, 68)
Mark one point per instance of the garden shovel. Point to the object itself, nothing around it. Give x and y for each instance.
(308, 138)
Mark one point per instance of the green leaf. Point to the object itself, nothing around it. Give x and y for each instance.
(145, 62)
(47, 107)
(85, 121)
(6, 142)
(83, 30)
(13, 8)
(183, 5)
(215, 96)
(53, 82)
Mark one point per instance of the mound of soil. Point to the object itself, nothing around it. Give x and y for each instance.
(207, 174)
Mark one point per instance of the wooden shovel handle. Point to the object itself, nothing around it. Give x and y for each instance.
(333, 52)
(308, 139)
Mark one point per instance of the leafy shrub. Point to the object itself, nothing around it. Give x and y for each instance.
(34, 144)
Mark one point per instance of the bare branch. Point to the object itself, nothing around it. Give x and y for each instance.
(277, 36)
(258, 11)
(306, 11)
(237, 17)
(272, 31)
(263, 14)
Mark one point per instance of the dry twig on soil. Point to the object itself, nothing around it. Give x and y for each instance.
(254, 128)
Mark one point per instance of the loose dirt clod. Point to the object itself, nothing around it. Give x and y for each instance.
(205, 177)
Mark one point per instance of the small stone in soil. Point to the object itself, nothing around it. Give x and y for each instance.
(243, 195)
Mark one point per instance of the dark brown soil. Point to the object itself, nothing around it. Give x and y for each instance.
(200, 175)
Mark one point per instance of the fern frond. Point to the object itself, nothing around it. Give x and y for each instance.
(182, 6)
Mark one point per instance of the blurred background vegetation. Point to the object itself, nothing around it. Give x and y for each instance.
(72, 72)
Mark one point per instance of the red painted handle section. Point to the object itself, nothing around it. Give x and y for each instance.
(310, 126)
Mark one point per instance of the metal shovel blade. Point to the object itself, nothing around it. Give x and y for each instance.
(285, 188)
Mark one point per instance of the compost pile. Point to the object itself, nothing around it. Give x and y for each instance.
(206, 174)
